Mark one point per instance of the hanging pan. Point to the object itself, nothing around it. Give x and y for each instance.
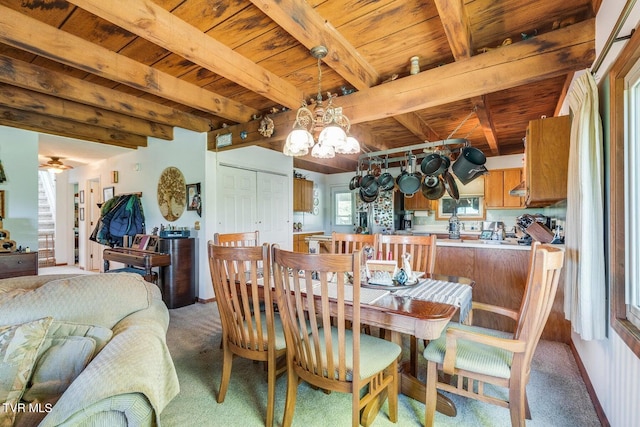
(355, 181)
(385, 181)
(409, 183)
(450, 185)
(433, 187)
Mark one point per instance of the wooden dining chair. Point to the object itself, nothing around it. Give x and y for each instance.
(423, 260)
(421, 248)
(330, 357)
(478, 355)
(246, 238)
(346, 243)
(249, 327)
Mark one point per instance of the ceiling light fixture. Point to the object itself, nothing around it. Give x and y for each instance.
(325, 130)
(55, 165)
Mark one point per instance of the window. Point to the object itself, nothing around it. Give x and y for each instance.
(631, 194)
(622, 197)
(468, 207)
(343, 203)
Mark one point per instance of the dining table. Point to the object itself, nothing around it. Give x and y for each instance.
(422, 310)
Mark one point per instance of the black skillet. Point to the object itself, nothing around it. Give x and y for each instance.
(450, 185)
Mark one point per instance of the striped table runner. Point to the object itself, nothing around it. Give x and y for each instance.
(452, 293)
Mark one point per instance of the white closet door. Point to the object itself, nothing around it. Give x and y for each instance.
(273, 209)
(236, 201)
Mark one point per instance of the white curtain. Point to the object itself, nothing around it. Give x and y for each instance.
(585, 302)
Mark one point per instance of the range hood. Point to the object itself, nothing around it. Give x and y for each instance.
(519, 190)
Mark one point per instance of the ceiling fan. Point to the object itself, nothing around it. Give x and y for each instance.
(55, 165)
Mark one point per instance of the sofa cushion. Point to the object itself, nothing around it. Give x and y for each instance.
(19, 345)
(97, 299)
(58, 366)
(58, 329)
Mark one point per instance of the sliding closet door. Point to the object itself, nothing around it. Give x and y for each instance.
(273, 209)
(236, 201)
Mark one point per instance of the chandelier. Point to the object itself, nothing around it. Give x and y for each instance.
(324, 130)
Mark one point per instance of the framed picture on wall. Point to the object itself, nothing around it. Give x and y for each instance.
(81, 196)
(194, 200)
(1, 204)
(107, 193)
(81, 214)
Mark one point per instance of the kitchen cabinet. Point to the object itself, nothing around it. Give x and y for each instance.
(547, 161)
(497, 184)
(500, 277)
(299, 242)
(302, 195)
(418, 203)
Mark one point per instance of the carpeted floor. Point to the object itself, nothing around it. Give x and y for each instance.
(557, 394)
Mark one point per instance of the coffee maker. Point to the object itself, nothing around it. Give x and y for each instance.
(407, 221)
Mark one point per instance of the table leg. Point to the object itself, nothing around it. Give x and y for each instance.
(415, 389)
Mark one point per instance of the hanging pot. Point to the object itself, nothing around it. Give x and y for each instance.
(367, 198)
(434, 164)
(409, 183)
(469, 165)
(369, 183)
(450, 185)
(385, 181)
(355, 181)
(433, 187)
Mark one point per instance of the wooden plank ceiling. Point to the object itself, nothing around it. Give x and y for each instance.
(113, 74)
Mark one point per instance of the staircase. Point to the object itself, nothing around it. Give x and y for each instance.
(46, 220)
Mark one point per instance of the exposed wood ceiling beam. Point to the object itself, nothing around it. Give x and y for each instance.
(456, 26)
(43, 80)
(29, 34)
(150, 21)
(26, 100)
(41, 123)
(307, 26)
(541, 57)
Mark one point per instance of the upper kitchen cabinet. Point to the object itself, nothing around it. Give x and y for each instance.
(302, 195)
(547, 161)
(417, 202)
(497, 185)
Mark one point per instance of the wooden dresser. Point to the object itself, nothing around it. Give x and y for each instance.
(13, 264)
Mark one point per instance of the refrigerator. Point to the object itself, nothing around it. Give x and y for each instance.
(377, 216)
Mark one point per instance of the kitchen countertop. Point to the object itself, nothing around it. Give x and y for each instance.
(461, 243)
(484, 244)
(309, 232)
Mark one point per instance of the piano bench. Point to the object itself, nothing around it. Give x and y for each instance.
(152, 278)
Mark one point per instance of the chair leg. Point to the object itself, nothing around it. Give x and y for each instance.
(227, 361)
(517, 399)
(392, 393)
(431, 395)
(271, 390)
(292, 391)
(527, 411)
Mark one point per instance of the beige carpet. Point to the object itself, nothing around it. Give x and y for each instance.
(557, 394)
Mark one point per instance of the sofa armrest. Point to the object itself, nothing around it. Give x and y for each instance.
(130, 409)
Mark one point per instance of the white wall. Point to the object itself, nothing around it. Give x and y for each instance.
(139, 171)
(19, 156)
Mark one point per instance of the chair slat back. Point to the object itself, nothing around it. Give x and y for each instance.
(545, 266)
(421, 248)
(307, 321)
(236, 273)
(346, 243)
(246, 238)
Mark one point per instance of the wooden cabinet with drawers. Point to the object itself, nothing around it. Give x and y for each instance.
(13, 264)
(497, 184)
(417, 202)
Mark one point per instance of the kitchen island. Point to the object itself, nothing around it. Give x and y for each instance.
(500, 275)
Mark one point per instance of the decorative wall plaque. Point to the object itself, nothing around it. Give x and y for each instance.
(172, 193)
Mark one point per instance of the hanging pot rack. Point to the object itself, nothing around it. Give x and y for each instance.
(424, 149)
